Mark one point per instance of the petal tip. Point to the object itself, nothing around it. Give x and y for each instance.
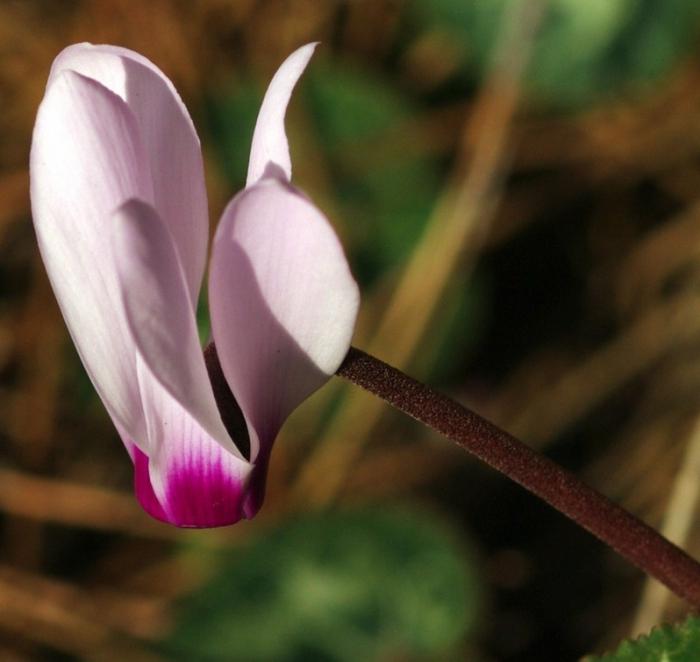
(270, 144)
(196, 495)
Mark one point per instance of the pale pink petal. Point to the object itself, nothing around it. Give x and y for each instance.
(269, 139)
(86, 159)
(159, 313)
(282, 301)
(191, 473)
(187, 478)
(169, 138)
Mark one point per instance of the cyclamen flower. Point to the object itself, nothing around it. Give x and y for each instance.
(120, 212)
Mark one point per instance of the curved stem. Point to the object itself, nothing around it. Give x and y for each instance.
(625, 533)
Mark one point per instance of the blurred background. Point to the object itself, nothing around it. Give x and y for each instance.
(517, 185)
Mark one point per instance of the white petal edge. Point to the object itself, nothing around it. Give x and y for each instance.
(283, 303)
(169, 138)
(270, 144)
(159, 314)
(86, 159)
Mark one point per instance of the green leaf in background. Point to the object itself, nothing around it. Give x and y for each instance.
(365, 585)
(584, 50)
(386, 191)
(230, 119)
(203, 321)
(385, 198)
(677, 643)
(350, 104)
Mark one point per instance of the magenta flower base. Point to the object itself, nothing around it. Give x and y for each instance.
(196, 496)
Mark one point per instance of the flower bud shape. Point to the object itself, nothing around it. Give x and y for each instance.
(120, 212)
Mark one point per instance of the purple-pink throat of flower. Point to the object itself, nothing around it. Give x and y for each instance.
(120, 212)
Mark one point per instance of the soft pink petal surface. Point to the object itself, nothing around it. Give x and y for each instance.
(192, 474)
(169, 138)
(283, 304)
(270, 144)
(87, 159)
(159, 313)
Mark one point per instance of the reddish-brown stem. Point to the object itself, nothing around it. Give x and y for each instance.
(625, 533)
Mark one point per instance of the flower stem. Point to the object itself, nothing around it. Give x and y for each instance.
(616, 527)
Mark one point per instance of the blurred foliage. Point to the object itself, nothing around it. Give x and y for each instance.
(560, 350)
(669, 643)
(363, 585)
(230, 116)
(203, 321)
(387, 199)
(585, 50)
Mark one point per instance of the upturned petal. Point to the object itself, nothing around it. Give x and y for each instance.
(169, 138)
(86, 159)
(191, 473)
(283, 306)
(270, 146)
